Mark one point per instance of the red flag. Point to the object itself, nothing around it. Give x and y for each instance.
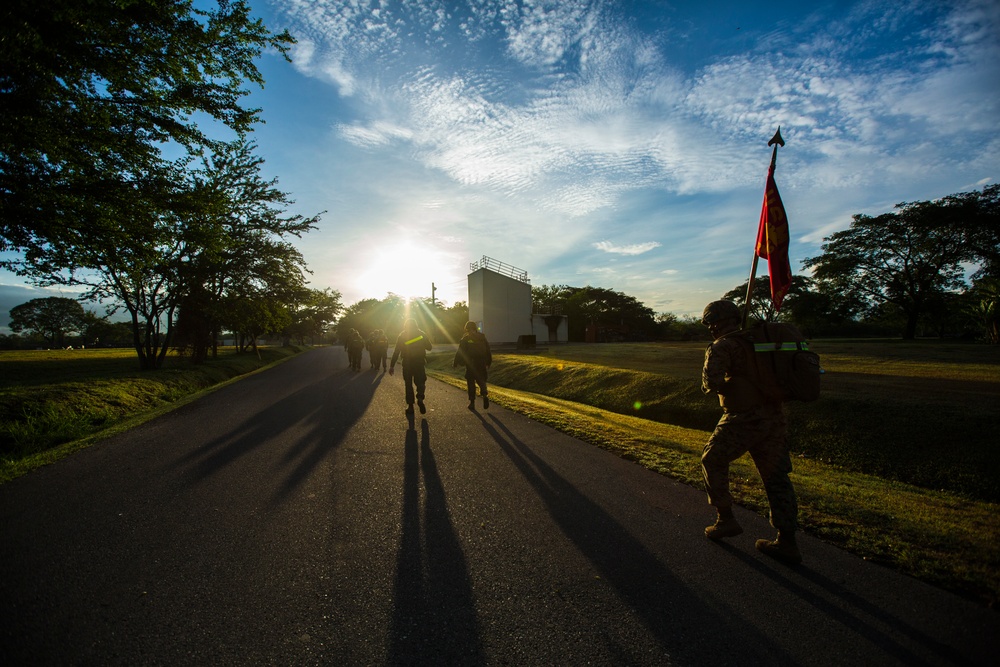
(772, 241)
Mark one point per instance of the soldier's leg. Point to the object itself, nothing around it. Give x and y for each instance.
(770, 455)
(420, 378)
(774, 464)
(726, 444)
(408, 383)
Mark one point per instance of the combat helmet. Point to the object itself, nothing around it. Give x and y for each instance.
(718, 311)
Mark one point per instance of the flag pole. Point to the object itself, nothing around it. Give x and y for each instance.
(776, 141)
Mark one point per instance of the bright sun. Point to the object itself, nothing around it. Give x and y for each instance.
(406, 269)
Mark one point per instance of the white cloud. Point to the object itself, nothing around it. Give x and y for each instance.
(379, 133)
(632, 249)
(540, 122)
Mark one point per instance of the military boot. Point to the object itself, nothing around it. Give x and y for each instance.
(725, 526)
(783, 548)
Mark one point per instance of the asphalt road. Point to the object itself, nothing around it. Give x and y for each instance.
(297, 517)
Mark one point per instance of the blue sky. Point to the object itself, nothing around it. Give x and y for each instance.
(616, 144)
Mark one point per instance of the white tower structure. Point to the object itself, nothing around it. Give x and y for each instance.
(500, 300)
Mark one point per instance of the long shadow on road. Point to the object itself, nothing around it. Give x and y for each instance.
(668, 608)
(302, 429)
(855, 622)
(434, 620)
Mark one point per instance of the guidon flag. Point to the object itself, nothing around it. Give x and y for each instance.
(772, 241)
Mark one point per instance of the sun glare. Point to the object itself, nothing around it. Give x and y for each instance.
(406, 269)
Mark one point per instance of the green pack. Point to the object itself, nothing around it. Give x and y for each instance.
(788, 370)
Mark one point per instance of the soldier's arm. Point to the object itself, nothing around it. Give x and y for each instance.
(713, 373)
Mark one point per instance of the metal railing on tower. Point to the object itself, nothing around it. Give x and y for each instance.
(503, 269)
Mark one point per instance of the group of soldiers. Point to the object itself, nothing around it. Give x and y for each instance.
(377, 345)
(750, 422)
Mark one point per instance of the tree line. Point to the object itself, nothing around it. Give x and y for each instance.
(443, 323)
(109, 184)
(929, 268)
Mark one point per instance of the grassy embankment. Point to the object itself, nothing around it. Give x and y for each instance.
(53, 403)
(897, 461)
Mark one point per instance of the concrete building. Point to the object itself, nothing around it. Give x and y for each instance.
(500, 303)
(500, 300)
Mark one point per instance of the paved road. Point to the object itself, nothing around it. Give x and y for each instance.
(296, 517)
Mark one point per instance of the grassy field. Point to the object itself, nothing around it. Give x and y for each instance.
(896, 462)
(55, 402)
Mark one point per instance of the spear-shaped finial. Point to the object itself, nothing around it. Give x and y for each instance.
(775, 141)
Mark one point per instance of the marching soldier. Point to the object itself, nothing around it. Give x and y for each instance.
(412, 345)
(750, 423)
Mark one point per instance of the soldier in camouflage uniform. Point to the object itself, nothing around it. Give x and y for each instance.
(749, 423)
(412, 345)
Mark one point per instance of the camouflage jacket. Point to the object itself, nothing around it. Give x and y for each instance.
(729, 371)
(412, 348)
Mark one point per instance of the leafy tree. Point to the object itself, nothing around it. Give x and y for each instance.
(984, 307)
(313, 316)
(102, 332)
(618, 315)
(239, 251)
(907, 258)
(367, 315)
(94, 90)
(52, 318)
(549, 299)
(615, 314)
(687, 327)
(93, 94)
(802, 305)
(977, 214)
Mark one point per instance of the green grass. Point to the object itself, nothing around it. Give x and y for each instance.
(53, 403)
(921, 413)
(901, 400)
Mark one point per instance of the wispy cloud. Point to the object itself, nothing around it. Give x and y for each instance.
(544, 124)
(633, 249)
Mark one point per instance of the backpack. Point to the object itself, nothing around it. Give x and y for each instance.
(788, 370)
(477, 351)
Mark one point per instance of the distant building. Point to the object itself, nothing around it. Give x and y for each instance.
(500, 303)
(500, 300)
(550, 328)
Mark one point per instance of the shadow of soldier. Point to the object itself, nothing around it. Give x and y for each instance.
(434, 618)
(671, 611)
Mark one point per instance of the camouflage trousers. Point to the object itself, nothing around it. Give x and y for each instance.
(414, 375)
(761, 432)
(475, 377)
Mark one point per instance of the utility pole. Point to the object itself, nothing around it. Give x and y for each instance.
(433, 290)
